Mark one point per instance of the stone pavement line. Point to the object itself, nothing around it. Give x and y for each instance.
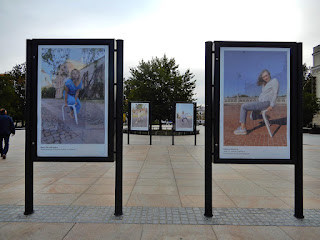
(161, 215)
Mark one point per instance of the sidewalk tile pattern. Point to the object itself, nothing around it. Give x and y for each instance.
(161, 215)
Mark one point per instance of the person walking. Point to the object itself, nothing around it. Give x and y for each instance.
(6, 128)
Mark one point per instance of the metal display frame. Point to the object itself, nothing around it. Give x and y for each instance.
(115, 110)
(212, 116)
(150, 120)
(194, 130)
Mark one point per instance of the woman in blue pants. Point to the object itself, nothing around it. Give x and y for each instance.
(267, 100)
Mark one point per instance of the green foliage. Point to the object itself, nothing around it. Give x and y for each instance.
(55, 57)
(48, 92)
(160, 82)
(8, 97)
(12, 91)
(311, 104)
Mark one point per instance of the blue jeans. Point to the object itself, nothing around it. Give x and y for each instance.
(252, 106)
(6, 144)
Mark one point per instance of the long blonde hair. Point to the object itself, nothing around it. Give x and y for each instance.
(260, 81)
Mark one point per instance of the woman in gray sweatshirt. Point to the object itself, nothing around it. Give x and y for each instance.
(267, 100)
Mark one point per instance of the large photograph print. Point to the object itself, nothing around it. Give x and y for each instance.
(255, 103)
(140, 116)
(184, 117)
(72, 100)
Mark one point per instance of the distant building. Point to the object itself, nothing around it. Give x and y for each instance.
(200, 114)
(45, 79)
(200, 110)
(316, 73)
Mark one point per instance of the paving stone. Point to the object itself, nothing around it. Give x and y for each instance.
(263, 217)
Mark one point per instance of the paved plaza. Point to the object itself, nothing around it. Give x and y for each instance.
(163, 195)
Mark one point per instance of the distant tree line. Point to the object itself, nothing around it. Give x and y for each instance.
(12, 92)
(311, 104)
(158, 81)
(48, 92)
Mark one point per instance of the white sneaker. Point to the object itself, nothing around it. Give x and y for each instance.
(240, 131)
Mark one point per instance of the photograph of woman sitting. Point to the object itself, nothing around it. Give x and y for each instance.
(267, 100)
(71, 91)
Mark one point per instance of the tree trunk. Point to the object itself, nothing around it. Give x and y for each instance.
(160, 125)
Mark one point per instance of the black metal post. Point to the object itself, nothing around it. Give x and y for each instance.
(150, 123)
(28, 138)
(119, 129)
(173, 126)
(298, 168)
(195, 123)
(173, 122)
(129, 120)
(208, 130)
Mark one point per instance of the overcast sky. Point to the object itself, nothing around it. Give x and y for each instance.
(150, 28)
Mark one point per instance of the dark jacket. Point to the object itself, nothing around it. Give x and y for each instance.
(6, 125)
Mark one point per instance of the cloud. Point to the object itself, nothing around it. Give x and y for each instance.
(152, 28)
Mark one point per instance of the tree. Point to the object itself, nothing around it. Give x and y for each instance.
(12, 91)
(8, 97)
(311, 104)
(55, 57)
(160, 82)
